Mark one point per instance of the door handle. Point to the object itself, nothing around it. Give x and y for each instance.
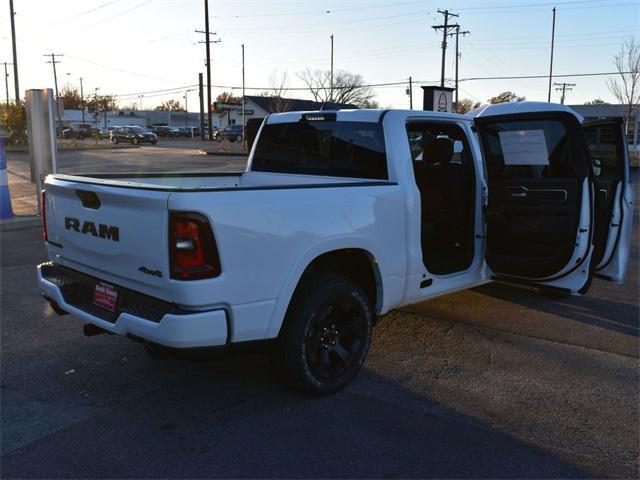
(519, 195)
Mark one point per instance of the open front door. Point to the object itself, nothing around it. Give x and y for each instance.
(607, 144)
(539, 214)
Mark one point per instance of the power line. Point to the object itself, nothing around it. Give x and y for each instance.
(87, 27)
(384, 84)
(521, 77)
(323, 12)
(91, 10)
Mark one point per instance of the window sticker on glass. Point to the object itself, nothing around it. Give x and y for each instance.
(524, 147)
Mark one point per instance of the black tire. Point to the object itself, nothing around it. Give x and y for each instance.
(153, 142)
(135, 141)
(326, 334)
(115, 140)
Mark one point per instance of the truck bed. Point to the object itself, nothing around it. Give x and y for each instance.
(198, 181)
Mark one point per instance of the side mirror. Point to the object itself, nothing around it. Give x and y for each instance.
(598, 167)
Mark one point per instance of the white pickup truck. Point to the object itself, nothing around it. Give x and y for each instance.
(339, 217)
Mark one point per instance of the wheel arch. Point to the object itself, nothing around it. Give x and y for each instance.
(342, 257)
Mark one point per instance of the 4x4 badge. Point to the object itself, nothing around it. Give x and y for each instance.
(148, 271)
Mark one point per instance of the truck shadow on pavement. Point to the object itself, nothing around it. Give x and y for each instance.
(229, 418)
(611, 315)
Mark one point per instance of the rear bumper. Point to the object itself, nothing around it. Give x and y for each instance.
(145, 317)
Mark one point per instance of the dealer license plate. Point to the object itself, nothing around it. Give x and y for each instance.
(105, 296)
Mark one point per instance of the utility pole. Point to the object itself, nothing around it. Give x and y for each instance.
(82, 98)
(564, 87)
(457, 34)
(201, 93)
(553, 35)
(331, 74)
(445, 31)
(208, 43)
(410, 93)
(53, 63)
(15, 54)
(140, 101)
(207, 63)
(6, 83)
(244, 122)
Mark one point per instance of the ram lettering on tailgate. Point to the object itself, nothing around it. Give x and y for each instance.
(108, 232)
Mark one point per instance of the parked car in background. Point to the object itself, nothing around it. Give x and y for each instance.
(233, 133)
(188, 132)
(106, 132)
(79, 132)
(165, 131)
(133, 135)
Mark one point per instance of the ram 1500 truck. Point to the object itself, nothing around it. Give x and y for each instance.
(339, 217)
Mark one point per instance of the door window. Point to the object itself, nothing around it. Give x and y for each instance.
(530, 149)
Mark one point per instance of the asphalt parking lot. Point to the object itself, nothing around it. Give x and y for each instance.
(493, 382)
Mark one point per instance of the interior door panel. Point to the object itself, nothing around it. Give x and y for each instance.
(531, 225)
(538, 220)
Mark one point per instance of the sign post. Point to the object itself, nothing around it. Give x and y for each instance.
(41, 127)
(438, 99)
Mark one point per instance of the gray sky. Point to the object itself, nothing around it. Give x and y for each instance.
(131, 46)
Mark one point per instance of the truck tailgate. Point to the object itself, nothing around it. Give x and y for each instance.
(118, 235)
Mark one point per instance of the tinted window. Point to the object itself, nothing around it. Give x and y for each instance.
(531, 148)
(331, 148)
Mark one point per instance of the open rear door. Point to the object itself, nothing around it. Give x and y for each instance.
(607, 144)
(540, 208)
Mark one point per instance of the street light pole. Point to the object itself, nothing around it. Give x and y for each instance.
(244, 123)
(6, 84)
(331, 79)
(82, 99)
(186, 109)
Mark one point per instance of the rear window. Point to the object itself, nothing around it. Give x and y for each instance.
(330, 148)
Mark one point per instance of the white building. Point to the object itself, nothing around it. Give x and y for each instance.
(255, 107)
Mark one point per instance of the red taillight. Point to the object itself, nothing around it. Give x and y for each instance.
(43, 215)
(193, 250)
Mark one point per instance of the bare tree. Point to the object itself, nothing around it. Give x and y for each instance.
(347, 87)
(626, 89)
(278, 84)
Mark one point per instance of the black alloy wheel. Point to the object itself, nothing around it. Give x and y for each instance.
(335, 338)
(326, 334)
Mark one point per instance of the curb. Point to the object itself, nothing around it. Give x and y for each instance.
(20, 223)
(223, 154)
(99, 147)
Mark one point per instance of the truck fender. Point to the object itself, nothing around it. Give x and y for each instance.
(304, 260)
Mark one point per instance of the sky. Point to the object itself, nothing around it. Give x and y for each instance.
(130, 48)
